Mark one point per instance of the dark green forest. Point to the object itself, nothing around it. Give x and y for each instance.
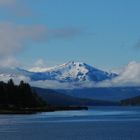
(18, 96)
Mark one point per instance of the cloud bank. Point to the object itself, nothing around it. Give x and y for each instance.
(13, 38)
(129, 76)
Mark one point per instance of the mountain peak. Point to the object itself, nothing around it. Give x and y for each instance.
(75, 64)
(69, 72)
(73, 72)
(72, 63)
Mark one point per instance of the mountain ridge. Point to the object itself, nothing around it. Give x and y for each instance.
(68, 72)
(73, 72)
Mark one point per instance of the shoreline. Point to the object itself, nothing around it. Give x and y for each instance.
(39, 110)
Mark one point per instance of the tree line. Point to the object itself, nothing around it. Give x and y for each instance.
(18, 96)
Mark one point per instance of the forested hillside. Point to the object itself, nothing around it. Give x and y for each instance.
(18, 96)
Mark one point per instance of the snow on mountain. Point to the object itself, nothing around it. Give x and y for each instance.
(72, 72)
(68, 72)
(12, 73)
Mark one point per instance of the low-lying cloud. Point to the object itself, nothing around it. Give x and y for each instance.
(129, 76)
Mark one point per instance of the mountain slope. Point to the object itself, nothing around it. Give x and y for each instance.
(57, 98)
(70, 72)
(73, 72)
(104, 93)
(135, 101)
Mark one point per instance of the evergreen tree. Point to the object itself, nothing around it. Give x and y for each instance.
(21, 96)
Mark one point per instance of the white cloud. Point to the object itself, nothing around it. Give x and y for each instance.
(9, 61)
(39, 66)
(7, 2)
(40, 63)
(14, 37)
(129, 76)
(16, 9)
(16, 79)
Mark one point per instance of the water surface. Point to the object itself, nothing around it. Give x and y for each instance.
(99, 123)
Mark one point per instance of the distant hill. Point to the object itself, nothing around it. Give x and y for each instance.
(57, 98)
(104, 93)
(131, 101)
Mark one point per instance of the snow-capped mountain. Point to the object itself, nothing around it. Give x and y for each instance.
(79, 80)
(68, 72)
(71, 72)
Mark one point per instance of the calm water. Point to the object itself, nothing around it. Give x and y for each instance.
(99, 123)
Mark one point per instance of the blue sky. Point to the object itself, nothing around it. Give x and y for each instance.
(103, 33)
